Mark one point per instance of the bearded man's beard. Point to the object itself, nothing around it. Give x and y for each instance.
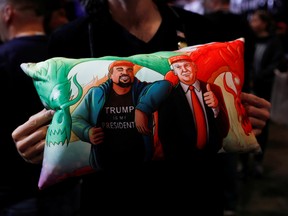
(123, 84)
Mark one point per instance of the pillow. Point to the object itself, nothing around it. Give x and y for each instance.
(61, 84)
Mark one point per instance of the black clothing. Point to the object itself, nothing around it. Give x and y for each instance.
(268, 57)
(121, 146)
(74, 40)
(19, 180)
(175, 114)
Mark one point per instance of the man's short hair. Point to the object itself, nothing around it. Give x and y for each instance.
(38, 6)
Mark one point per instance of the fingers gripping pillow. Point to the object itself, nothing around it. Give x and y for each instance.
(89, 104)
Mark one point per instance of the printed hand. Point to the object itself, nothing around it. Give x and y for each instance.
(96, 135)
(258, 111)
(30, 136)
(141, 121)
(210, 98)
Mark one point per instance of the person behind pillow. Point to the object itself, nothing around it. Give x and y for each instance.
(125, 28)
(268, 57)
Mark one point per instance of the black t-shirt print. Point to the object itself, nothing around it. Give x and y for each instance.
(123, 144)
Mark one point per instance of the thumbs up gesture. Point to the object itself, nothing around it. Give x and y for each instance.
(210, 98)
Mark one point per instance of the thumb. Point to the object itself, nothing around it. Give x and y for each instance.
(208, 87)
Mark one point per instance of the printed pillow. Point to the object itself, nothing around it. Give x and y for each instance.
(63, 83)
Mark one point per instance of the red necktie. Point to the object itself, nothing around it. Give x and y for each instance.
(199, 118)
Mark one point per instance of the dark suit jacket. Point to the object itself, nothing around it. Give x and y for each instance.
(177, 131)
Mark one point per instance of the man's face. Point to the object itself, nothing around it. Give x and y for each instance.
(257, 25)
(184, 70)
(122, 76)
